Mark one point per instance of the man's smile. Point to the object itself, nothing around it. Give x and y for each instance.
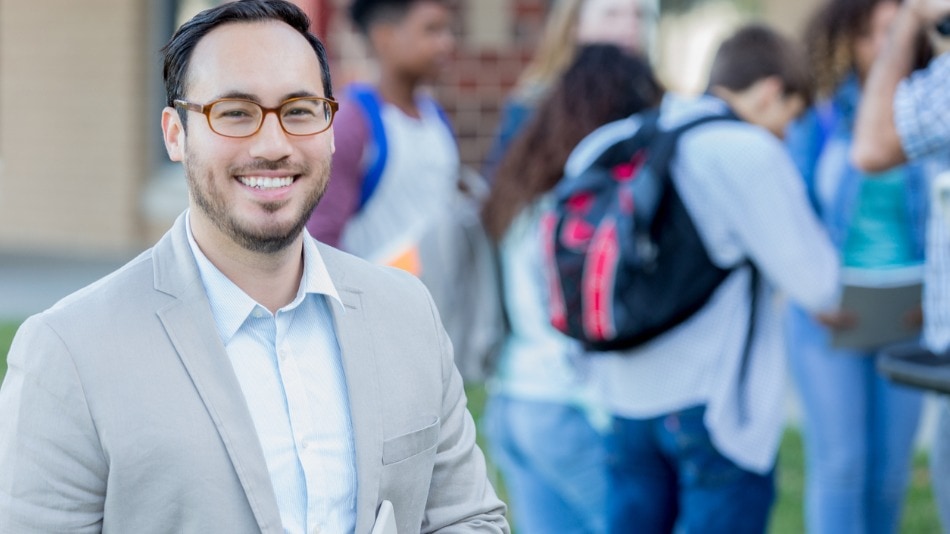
(266, 182)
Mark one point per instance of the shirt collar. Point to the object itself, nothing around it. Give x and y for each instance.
(230, 305)
(316, 278)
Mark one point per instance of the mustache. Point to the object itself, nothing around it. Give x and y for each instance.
(282, 165)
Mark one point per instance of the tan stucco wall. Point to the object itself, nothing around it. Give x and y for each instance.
(790, 17)
(72, 106)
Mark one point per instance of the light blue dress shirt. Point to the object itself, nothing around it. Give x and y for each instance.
(290, 370)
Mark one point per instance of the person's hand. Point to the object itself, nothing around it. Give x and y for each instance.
(838, 320)
(929, 12)
(914, 318)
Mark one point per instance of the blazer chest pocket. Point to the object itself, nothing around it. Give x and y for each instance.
(407, 445)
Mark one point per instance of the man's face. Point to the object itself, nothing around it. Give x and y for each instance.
(255, 191)
(420, 43)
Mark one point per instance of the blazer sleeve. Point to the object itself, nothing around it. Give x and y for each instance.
(52, 468)
(460, 497)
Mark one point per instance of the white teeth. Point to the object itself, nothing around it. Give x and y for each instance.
(262, 182)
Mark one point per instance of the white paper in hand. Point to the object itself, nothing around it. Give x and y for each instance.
(385, 519)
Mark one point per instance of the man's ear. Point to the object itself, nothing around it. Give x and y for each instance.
(380, 36)
(173, 133)
(769, 90)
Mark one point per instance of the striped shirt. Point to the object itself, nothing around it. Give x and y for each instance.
(290, 371)
(747, 201)
(922, 118)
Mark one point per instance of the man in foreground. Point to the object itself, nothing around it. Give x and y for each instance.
(240, 376)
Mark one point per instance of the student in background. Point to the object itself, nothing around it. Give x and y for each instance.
(551, 456)
(397, 194)
(697, 411)
(904, 117)
(859, 426)
(396, 164)
(629, 24)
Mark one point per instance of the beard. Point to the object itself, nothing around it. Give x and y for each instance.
(267, 238)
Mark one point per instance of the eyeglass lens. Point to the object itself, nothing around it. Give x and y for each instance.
(241, 118)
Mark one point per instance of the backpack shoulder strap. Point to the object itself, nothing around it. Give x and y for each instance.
(663, 154)
(442, 115)
(619, 150)
(749, 339)
(369, 101)
(663, 147)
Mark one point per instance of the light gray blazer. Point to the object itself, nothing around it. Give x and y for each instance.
(120, 411)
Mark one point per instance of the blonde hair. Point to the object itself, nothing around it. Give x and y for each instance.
(556, 48)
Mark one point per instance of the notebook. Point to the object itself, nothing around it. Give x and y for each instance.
(882, 301)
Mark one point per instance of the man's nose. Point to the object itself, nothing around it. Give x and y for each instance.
(271, 142)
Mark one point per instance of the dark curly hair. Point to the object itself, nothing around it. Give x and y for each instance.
(602, 85)
(831, 35)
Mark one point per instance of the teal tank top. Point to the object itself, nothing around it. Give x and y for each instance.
(880, 231)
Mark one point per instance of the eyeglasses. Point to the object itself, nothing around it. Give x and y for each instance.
(236, 117)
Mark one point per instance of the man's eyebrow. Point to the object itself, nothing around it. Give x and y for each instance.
(254, 98)
(238, 94)
(299, 94)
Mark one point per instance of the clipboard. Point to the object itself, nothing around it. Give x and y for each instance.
(881, 300)
(385, 519)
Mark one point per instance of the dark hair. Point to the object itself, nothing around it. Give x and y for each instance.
(756, 52)
(177, 53)
(831, 35)
(602, 85)
(365, 13)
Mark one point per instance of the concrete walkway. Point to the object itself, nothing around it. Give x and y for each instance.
(30, 283)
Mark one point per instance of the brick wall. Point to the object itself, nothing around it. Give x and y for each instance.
(475, 85)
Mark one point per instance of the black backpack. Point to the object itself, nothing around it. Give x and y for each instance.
(626, 263)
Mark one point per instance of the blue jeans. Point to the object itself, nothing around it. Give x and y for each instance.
(665, 474)
(940, 462)
(553, 464)
(859, 430)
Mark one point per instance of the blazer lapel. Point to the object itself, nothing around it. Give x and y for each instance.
(190, 326)
(362, 385)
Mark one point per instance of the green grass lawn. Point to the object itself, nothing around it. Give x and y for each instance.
(920, 515)
(6, 337)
